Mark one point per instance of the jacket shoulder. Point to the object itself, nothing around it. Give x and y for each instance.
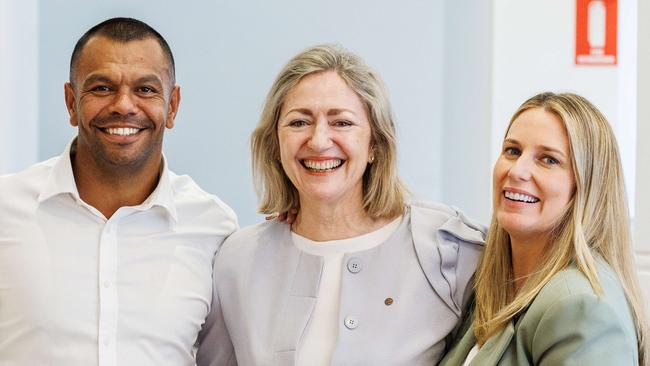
(569, 321)
(448, 247)
(247, 240)
(438, 216)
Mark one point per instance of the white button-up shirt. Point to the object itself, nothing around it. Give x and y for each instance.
(79, 289)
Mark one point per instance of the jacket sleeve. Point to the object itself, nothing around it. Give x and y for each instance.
(581, 329)
(215, 347)
(449, 247)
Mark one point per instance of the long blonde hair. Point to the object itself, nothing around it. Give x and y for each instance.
(595, 224)
(383, 191)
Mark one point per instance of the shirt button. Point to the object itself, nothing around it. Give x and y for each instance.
(107, 284)
(354, 265)
(351, 322)
(107, 341)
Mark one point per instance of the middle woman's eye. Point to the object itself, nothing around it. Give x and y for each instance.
(342, 123)
(298, 123)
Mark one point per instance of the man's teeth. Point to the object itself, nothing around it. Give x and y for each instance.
(521, 197)
(322, 165)
(122, 131)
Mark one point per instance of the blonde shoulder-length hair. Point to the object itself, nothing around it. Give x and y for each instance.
(595, 224)
(383, 191)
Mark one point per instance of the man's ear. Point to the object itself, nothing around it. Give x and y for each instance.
(174, 101)
(70, 103)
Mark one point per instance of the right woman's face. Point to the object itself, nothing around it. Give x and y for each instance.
(324, 136)
(533, 177)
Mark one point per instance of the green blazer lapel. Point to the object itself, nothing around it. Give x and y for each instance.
(459, 352)
(493, 349)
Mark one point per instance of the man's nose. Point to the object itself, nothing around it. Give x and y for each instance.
(123, 103)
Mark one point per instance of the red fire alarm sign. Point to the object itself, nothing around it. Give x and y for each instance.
(596, 28)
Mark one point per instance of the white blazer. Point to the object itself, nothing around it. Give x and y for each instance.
(266, 288)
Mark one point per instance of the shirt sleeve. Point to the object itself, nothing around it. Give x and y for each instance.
(215, 347)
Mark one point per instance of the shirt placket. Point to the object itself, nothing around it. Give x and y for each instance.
(108, 300)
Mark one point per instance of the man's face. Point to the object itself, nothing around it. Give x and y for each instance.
(121, 99)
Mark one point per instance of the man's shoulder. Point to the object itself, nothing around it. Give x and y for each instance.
(28, 182)
(189, 197)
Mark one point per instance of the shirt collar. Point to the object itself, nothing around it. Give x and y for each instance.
(163, 195)
(61, 181)
(61, 178)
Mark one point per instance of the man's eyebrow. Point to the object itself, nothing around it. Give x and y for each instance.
(95, 78)
(150, 78)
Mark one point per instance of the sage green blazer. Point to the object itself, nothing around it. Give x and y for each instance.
(566, 324)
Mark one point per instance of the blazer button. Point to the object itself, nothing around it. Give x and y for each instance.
(354, 265)
(351, 322)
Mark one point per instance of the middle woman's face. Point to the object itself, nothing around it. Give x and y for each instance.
(324, 136)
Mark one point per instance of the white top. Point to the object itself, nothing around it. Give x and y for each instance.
(79, 289)
(470, 356)
(319, 341)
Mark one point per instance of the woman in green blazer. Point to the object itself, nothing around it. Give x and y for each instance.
(557, 283)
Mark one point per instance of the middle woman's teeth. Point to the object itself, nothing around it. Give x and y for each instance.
(122, 131)
(322, 165)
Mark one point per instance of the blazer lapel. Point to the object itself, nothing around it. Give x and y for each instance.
(458, 354)
(300, 301)
(493, 349)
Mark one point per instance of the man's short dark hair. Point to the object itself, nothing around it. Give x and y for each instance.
(123, 30)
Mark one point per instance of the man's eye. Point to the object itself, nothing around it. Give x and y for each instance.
(146, 89)
(100, 88)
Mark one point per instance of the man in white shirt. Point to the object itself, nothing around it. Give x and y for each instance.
(106, 255)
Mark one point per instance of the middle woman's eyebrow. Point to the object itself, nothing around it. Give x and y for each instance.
(337, 111)
(304, 111)
(330, 112)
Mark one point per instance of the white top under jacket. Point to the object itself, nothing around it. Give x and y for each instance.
(77, 289)
(399, 300)
(319, 341)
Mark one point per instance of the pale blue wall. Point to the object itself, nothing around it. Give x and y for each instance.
(228, 53)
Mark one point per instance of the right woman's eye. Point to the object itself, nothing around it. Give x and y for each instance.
(511, 151)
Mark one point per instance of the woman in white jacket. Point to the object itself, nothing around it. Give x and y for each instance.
(360, 277)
